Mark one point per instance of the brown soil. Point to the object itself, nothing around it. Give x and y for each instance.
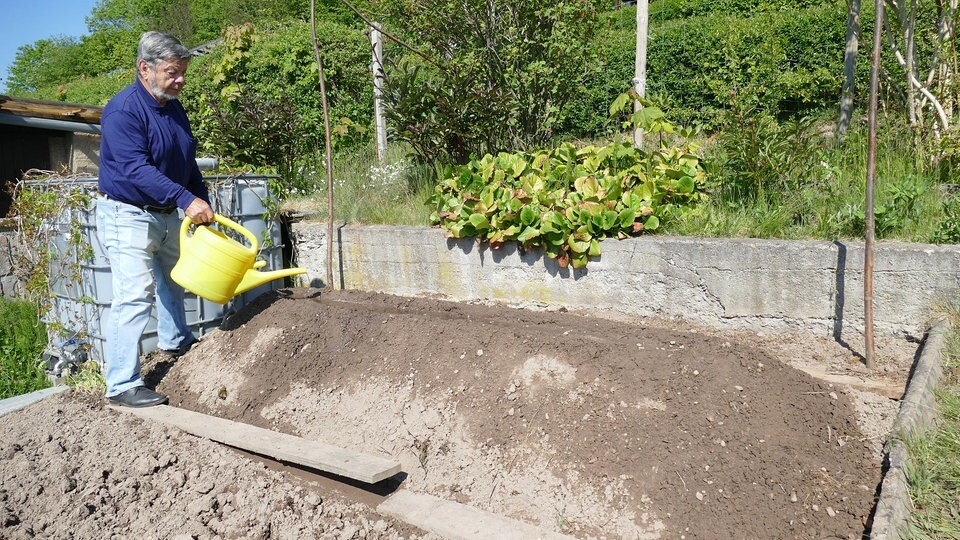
(588, 426)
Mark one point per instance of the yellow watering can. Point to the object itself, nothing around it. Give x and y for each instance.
(217, 267)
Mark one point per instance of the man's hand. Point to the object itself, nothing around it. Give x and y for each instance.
(199, 211)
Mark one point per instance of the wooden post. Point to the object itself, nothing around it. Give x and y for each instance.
(871, 172)
(377, 44)
(640, 65)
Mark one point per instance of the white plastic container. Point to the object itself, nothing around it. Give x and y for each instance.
(82, 286)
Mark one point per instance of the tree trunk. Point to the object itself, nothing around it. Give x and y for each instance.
(849, 67)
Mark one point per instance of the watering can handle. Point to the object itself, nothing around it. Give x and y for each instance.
(254, 245)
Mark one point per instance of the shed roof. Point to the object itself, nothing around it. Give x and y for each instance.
(51, 110)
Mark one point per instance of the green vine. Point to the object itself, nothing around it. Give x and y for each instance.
(566, 200)
(50, 213)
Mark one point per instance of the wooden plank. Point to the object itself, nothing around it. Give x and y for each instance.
(324, 457)
(885, 389)
(455, 521)
(51, 109)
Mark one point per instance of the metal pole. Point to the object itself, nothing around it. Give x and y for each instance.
(640, 65)
(381, 123)
(871, 173)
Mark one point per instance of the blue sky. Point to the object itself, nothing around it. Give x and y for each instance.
(23, 22)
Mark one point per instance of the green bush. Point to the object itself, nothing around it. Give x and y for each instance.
(665, 10)
(787, 62)
(255, 101)
(22, 339)
(88, 90)
(495, 80)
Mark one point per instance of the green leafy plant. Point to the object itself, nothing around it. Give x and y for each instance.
(901, 200)
(948, 229)
(762, 157)
(567, 199)
(88, 379)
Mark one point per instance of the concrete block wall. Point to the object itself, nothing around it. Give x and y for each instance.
(775, 285)
(85, 153)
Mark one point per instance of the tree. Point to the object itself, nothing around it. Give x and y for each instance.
(498, 76)
(45, 62)
(849, 67)
(923, 38)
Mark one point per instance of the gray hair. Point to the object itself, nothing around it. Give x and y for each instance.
(155, 47)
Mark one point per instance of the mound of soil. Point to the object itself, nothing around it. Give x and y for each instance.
(586, 426)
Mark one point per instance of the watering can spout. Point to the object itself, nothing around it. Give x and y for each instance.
(254, 278)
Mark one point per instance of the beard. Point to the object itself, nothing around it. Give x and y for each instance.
(158, 92)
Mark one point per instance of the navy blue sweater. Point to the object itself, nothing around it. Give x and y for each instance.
(147, 151)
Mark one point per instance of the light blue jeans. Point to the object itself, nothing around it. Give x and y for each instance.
(142, 248)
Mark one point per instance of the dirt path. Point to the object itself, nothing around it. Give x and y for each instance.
(595, 428)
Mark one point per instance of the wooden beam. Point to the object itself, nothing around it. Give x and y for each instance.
(324, 457)
(52, 110)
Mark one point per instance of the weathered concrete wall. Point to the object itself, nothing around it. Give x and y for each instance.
(731, 283)
(9, 286)
(85, 153)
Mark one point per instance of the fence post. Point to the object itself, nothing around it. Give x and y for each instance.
(640, 65)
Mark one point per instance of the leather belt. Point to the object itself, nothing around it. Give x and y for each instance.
(145, 207)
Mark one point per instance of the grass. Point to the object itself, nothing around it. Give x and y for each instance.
(934, 476)
(824, 195)
(22, 339)
(394, 193)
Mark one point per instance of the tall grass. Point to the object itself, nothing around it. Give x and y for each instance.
(22, 339)
(934, 476)
(393, 193)
(797, 183)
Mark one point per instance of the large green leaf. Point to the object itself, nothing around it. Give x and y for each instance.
(528, 215)
(587, 186)
(594, 248)
(528, 235)
(479, 222)
(605, 220)
(686, 185)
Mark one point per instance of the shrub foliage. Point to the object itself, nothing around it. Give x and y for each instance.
(497, 74)
(566, 200)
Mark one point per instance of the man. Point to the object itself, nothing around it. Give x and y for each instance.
(148, 171)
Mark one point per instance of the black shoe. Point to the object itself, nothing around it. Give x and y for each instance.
(173, 354)
(138, 396)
